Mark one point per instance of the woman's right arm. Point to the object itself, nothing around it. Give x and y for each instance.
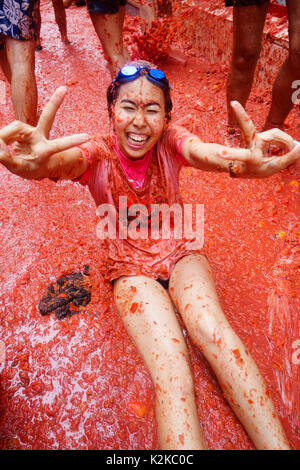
(34, 156)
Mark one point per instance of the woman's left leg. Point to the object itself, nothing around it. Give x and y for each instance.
(193, 292)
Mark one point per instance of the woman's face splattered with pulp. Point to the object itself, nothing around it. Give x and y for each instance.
(139, 117)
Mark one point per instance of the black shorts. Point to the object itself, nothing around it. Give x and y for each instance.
(104, 7)
(163, 282)
(244, 3)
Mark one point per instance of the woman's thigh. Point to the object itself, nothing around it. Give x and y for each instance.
(193, 292)
(148, 315)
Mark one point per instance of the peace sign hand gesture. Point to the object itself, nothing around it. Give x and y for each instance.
(258, 160)
(31, 147)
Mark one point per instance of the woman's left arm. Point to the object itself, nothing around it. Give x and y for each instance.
(212, 157)
(253, 162)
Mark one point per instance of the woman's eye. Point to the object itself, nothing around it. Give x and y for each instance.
(152, 111)
(128, 108)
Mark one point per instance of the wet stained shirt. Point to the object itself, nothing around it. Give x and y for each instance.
(142, 227)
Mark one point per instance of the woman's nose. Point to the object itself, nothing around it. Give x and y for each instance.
(139, 118)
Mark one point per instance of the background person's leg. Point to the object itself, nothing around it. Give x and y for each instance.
(61, 19)
(289, 72)
(109, 29)
(4, 64)
(148, 315)
(67, 3)
(38, 29)
(193, 292)
(146, 12)
(21, 59)
(248, 24)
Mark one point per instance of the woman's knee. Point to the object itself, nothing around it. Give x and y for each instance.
(128, 288)
(193, 292)
(188, 271)
(179, 385)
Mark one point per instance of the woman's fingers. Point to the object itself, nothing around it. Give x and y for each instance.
(4, 151)
(287, 159)
(64, 143)
(278, 137)
(48, 115)
(244, 121)
(243, 155)
(12, 131)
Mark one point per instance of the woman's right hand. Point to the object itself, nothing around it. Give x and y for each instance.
(31, 147)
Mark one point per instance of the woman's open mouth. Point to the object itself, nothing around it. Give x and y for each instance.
(136, 140)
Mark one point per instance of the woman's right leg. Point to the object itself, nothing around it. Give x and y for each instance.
(148, 315)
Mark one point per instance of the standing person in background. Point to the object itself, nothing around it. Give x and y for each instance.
(108, 17)
(17, 55)
(248, 23)
(61, 20)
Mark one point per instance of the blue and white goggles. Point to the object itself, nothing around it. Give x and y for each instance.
(131, 72)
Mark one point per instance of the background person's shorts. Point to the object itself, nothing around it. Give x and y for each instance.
(244, 3)
(18, 19)
(104, 7)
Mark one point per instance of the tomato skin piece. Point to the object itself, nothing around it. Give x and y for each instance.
(134, 307)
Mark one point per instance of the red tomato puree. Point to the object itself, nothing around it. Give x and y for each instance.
(79, 383)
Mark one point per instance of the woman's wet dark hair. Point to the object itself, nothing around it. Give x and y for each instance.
(113, 90)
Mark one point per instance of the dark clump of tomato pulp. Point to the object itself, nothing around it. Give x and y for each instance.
(67, 296)
(79, 383)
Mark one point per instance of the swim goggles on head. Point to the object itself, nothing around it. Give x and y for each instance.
(131, 72)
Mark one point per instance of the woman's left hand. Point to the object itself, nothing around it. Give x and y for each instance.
(259, 161)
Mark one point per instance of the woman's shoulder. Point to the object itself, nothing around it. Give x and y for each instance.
(173, 137)
(99, 146)
(96, 151)
(175, 131)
